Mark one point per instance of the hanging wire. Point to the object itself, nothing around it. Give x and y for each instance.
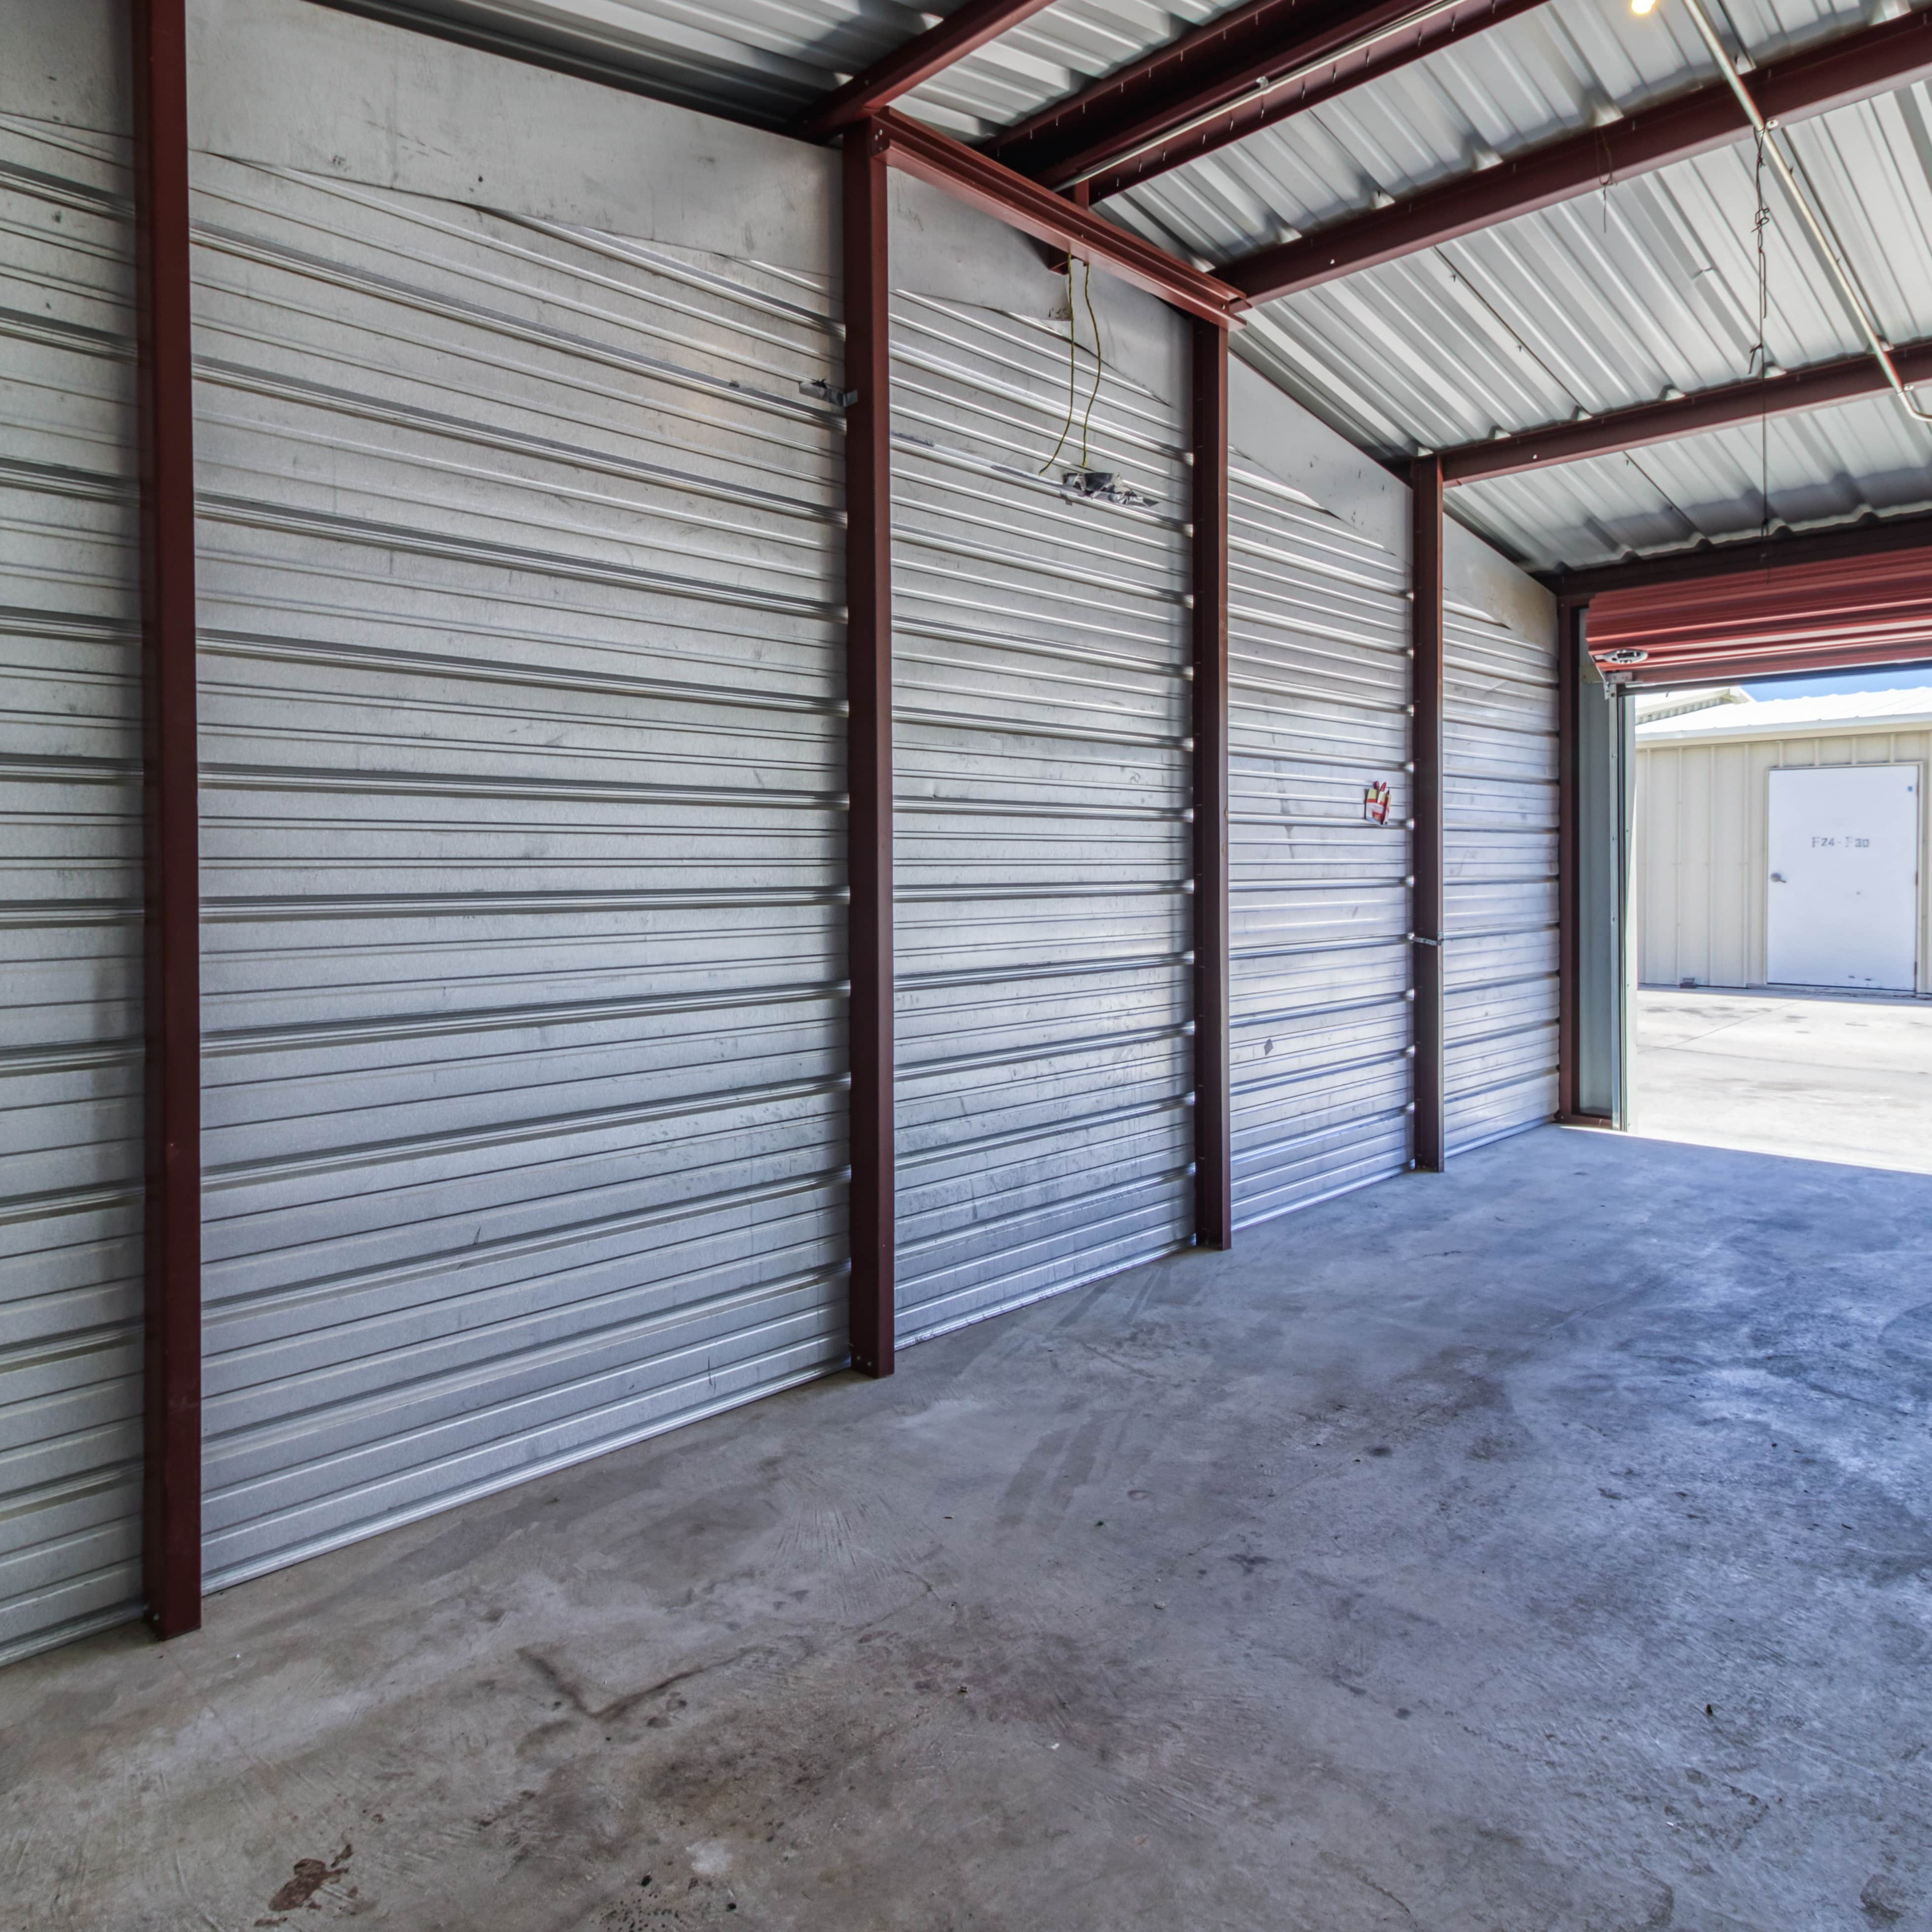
(1072, 372)
(1816, 223)
(1093, 322)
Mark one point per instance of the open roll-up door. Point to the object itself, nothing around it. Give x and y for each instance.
(1830, 616)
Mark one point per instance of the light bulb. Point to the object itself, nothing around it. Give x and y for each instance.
(1642, 6)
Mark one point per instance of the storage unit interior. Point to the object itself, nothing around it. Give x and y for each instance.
(1081, 794)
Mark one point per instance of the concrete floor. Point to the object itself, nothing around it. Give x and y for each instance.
(1824, 1078)
(1540, 1548)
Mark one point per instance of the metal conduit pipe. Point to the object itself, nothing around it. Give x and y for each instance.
(1815, 223)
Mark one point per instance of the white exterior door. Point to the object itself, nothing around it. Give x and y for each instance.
(1842, 903)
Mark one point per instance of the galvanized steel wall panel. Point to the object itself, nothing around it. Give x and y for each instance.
(1318, 714)
(522, 850)
(1500, 807)
(1041, 704)
(71, 888)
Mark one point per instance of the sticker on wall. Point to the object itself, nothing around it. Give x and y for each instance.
(1375, 801)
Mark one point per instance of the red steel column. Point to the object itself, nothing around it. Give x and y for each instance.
(1213, 1181)
(1569, 851)
(1426, 739)
(868, 681)
(171, 1545)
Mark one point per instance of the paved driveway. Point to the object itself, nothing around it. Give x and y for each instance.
(1827, 1079)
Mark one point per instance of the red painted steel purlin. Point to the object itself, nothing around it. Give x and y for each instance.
(1854, 66)
(1815, 616)
(961, 33)
(1022, 204)
(1213, 1128)
(1821, 385)
(1873, 537)
(1118, 131)
(171, 1550)
(868, 684)
(1425, 682)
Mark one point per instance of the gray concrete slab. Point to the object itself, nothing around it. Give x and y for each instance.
(1541, 1547)
(1825, 1078)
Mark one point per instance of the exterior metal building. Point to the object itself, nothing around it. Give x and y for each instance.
(1704, 863)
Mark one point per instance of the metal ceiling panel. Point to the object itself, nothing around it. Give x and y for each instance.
(765, 60)
(1649, 287)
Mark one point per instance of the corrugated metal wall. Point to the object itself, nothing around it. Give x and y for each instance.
(71, 886)
(1702, 858)
(1045, 1065)
(523, 850)
(1318, 714)
(1500, 820)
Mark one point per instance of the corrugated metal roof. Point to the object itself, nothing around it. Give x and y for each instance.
(765, 60)
(1614, 299)
(1798, 717)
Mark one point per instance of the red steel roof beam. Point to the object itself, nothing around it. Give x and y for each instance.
(1855, 67)
(1819, 387)
(1246, 70)
(963, 32)
(983, 183)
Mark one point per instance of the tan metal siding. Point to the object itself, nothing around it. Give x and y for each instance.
(1702, 856)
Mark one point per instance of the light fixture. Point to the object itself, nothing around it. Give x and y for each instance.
(1642, 6)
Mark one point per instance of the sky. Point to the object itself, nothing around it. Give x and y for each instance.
(1909, 677)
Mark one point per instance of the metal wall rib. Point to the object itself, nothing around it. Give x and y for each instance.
(1318, 714)
(71, 1148)
(1042, 785)
(522, 850)
(1500, 858)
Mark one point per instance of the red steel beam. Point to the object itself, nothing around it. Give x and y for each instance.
(1819, 387)
(869, 741)
(1755, 554)
(1867, 62)
(171, 1547)
(1735, 667)
(1569, 858)
(1426, 681)
(1213, 1128)
(1223, 82)
(963, 32)
(1059, 223)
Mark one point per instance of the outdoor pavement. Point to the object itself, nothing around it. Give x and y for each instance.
(1823, 1077)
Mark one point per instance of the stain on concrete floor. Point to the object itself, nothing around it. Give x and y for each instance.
(1540, 1548)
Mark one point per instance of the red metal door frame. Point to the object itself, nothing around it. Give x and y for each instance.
(171, 1547)
(1213, 1125)
(1426, 675)
(871, 146)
